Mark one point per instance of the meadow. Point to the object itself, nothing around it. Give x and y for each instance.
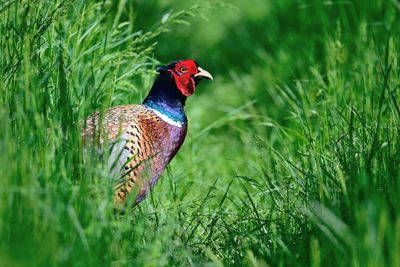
(292, 155)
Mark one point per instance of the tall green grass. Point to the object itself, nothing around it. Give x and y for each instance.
(292, 156)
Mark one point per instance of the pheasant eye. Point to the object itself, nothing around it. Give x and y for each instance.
(183, 69)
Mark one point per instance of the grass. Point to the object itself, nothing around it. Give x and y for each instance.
(292, 156)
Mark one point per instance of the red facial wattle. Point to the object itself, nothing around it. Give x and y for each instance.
(183, 73)
(185, 83)
(186, 75)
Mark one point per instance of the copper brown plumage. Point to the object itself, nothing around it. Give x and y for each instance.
(144, 138)
(148, 144)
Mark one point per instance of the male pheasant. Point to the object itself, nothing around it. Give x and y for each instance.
(144, 138)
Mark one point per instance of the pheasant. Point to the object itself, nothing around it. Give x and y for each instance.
(144, 138)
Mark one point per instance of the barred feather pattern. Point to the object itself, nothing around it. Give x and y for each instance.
(141, 143)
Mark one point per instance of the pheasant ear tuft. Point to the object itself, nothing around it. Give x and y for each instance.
(161, 69)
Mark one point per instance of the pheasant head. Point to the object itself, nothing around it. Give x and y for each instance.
(186, 74)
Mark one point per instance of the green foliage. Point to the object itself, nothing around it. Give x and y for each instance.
(292, 156)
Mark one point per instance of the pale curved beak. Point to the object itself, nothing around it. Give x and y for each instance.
(203, 74)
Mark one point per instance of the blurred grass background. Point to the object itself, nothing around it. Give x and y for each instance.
(292, 156)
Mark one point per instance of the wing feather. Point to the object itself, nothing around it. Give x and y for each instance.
(135, 138)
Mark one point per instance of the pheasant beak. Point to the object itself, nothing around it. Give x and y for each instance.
(203, 74)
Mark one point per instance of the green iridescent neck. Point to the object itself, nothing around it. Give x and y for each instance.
(167, 99)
